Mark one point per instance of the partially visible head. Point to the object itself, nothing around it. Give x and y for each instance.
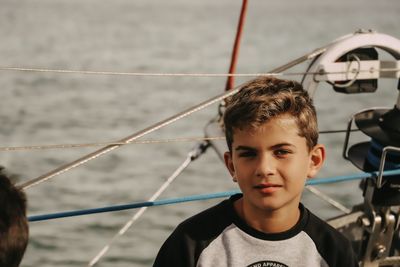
(265, 98)
(13, 223)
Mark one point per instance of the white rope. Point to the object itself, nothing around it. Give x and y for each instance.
(91, 72)
(130, 73)
(126, 140)
(328, 199)
(157, 126)
(357, 72)
(139, 213)
(65, 146)
(140, 142)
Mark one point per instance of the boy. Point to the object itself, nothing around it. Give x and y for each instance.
(271, 132)
(13, 223)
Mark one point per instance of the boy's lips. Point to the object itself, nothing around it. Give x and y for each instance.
(267, 188)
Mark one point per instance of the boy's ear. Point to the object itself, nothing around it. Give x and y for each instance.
(316, 161)
(229, 163)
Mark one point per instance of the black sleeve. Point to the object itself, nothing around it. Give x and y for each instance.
(184, 246)
(334, 247)
(176, 251)
(351, 258)
(344, 254)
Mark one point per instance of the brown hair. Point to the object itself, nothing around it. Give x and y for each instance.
(14, 230)
(267, 97)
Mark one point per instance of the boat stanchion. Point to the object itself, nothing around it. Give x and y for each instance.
(352, 66)
(380, 220)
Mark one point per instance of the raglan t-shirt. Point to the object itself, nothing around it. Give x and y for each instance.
(219, 237)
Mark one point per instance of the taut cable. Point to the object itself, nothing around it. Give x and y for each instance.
(126, 140)
(192, 155)
(316, 181)
(155, 127)
(138, 142)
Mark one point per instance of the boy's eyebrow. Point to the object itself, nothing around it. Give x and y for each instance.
(244, 148)
(273, 147)
(282, 144)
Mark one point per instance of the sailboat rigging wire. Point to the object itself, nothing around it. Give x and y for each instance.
(317, 181)
(155, 127)
(126, 140)
(139, 142)
(192, 155)
(328, 199)
(223, 75)
(276, 71)
(338, 131)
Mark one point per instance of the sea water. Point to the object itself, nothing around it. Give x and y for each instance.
(175, 36)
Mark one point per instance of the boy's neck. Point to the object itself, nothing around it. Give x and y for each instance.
(268, 222)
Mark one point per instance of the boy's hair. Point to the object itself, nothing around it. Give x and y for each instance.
(14, 230)
(265, 98)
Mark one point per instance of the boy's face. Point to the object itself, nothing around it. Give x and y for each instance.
(271, 164)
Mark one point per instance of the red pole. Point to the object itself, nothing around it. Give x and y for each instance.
(235, 52)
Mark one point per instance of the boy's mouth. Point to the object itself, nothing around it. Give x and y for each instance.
(267, 188)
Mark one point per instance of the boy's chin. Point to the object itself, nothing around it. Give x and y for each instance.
(273, 205)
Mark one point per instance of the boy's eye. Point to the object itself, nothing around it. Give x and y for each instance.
(281, 152)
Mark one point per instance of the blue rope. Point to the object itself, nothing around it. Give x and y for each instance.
(319, 181)
(345, 178)
(43, 217)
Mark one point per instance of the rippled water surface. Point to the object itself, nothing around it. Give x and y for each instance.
(172, 36)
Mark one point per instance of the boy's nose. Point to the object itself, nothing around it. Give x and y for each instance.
(266, 167)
